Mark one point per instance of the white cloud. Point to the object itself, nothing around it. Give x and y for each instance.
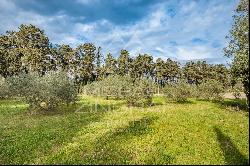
(157, 18)
(188, 7)
(196, 52)
(153, 33)
(159, 49)
(83, 28)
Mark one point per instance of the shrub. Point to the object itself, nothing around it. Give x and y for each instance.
(211, 89)
(45, 92)
(113, 86)
(140, 93)
(4, 89)
(136, 92)
(179, 91)
(195, 91)
(92, 88)
(237, 89)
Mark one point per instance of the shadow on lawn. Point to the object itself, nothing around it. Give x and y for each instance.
(135, 128)
(231, 153)
(180, 102)
(46, 132)
(111, 148)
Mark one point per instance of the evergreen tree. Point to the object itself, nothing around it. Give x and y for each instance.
(123, 63)
(110, 65)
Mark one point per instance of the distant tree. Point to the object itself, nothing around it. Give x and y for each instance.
(25, 50)
(221, 74)
(85, 57)
(171, 70)
(147, 65)
(238, 46)
(10, 59)
(66, 58)
(189, 71)
(98, 60)
(142, 66)
(123, 62)
(33, 46)
(200, 71)
(159, 71)
(110, 65)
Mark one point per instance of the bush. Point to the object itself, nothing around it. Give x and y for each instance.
(92, 88)
(179, 91)
(140, 93)
(237, 89)
(45, 92)
(113, 86)
(4, 89)
(136, 92)
(211, 89)
(116, 86)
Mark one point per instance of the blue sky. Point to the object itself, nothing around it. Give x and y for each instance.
(181, 30)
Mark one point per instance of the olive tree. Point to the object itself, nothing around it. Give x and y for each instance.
(238, 46)
(179, 91)
(45, 92)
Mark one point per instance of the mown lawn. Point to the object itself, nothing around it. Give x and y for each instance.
(97, 131)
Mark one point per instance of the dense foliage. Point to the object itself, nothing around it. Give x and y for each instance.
(210, 89)
(181, 91)
(178, 91)
(45, 92)
(29, 50)
(236, 89)
(137, 92)
(238, 46)
(4, 89)
(114, 86)
(140, 93)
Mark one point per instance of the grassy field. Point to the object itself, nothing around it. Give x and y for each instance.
(97, 131)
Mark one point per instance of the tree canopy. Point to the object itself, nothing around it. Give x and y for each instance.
(28, 50)
(238, 47)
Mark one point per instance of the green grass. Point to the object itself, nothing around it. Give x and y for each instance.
(97, 131)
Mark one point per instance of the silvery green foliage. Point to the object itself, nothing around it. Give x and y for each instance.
(4, 89)
(116, 86)
(211, 89)
(238, 46)
(45, 92)
(140, 93)
(179, 91)
(237, 89)
(136, 92)
(113, 86)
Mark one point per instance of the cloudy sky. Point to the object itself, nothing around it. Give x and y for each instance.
(181, 30)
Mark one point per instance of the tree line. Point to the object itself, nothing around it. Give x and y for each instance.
(29, 50)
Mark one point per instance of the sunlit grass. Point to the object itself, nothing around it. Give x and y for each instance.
(98, 131)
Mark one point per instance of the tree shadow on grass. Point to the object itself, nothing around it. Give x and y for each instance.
(231, 153)
(47, 132)
(111, 148)
(136, 128)
(180, 102)
(44, 135)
